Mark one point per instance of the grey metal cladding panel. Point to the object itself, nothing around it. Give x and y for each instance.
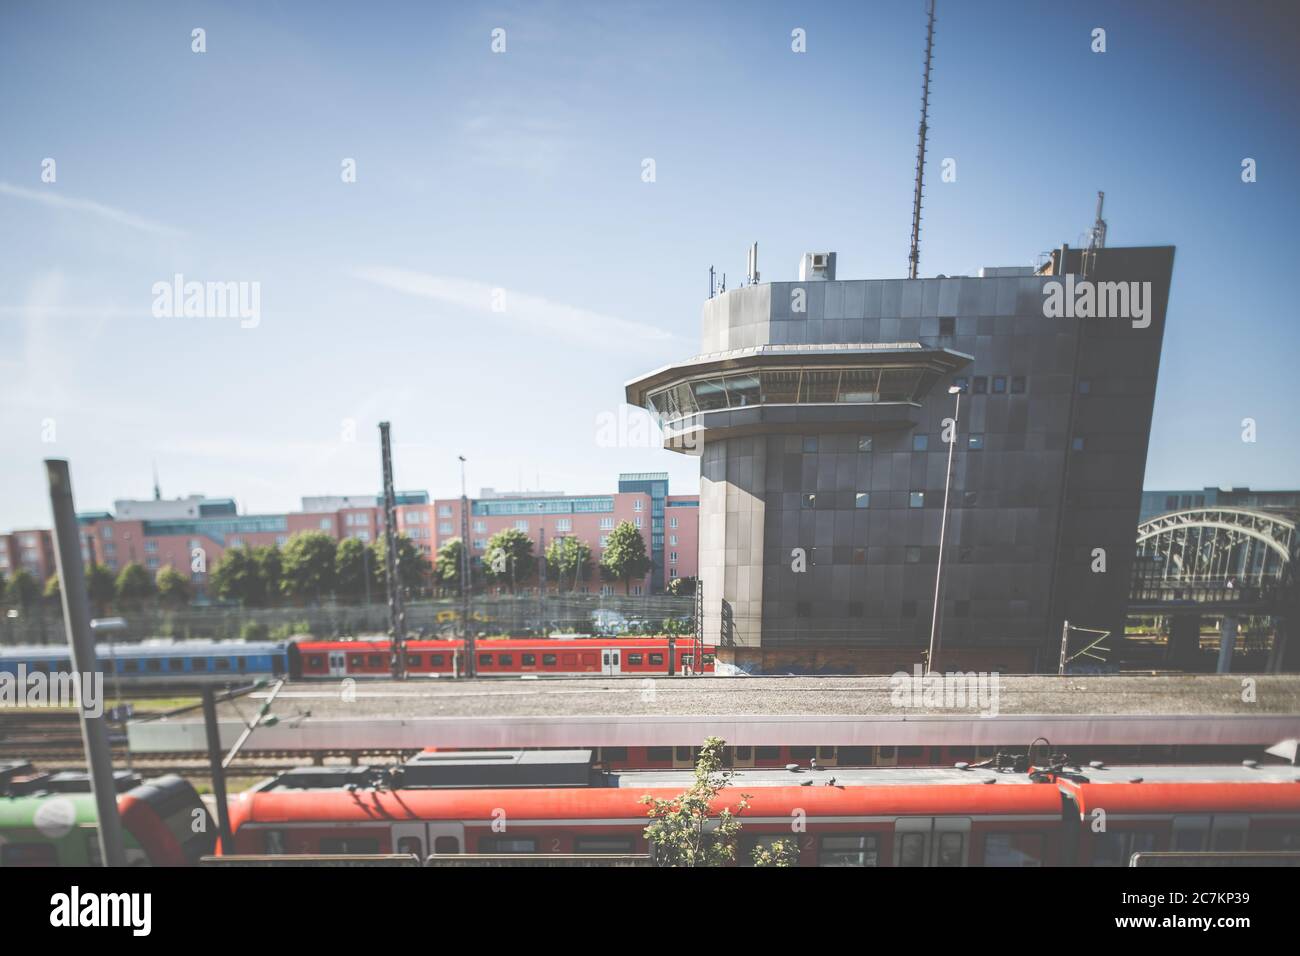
(930, 296)
(988, 296)
(779, 299)
(891, 297)
(949, 296)
(833, 307)
(854, 299)
(910, 299)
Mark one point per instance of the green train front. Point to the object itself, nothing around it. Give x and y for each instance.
(49, 819)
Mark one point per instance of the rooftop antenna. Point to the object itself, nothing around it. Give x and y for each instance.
(157, 492)
(712, 284)
(1097, 238)
(914, 257)
(751, 272)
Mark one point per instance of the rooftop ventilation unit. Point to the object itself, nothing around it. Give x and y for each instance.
(817, 266)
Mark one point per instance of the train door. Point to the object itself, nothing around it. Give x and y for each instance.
(932, 841)
(411, 838)
(338, 664)
(743, 757)
(610, 661)
(424, 838)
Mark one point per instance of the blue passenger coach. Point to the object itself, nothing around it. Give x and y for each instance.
(159, 662)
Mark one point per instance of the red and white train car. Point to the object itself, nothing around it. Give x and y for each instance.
(844, 817)
(513, 657)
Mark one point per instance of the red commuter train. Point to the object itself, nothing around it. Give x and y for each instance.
(843, 817)
(512, 657)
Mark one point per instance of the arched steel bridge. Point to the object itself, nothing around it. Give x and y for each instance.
(1215, 548)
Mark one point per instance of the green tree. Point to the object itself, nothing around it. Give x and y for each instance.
(134, 585)
(413, 567)
(354, 560)
(270, 571)
(686, 830)
(101, 588)
(625, 557)
(509, 558)
(173, 587)
(23, 590)
(309, 565)
(238, 577)
(778, 853)
(53, 589)
(569, 561)
(447, 564)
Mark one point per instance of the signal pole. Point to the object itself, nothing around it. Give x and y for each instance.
(467, 633)
(76, 620)
(392, 562)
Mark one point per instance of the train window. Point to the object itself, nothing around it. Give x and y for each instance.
(315, 661)
(613, 753)
(176, 664)
(549, 660)
(131, 667)
(659, 754)
(29, 854)
(1231, 840)
(221, 663)
(243, 664)
(802, 753)
(767, 753)
(656, 660)
(528, 659)
(826, 753)
(277, 665)
(571, 660)
(1116, 847)
(507, 845)
(908, 753)
(682, 753)
(506, 660)
(602, 845)
(911, 849)
(858, 849)
(411, 844)
(1264, 838)
(349, 845)
(154, 665)
(376, 660)
(446, 844)
(854, 756)
(198, 664)
(356, 660)
(413, 660)
(485, 660)
(950, 849)
(708, 658)
(744, 753)
(435, 661)
(635, 659)
(1190, 834)
(1013, 849)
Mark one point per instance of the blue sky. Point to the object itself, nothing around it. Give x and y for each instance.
(521, 171)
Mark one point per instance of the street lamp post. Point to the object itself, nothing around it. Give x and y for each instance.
(955, 391)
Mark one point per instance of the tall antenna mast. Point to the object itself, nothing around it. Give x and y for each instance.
(1097, 240)
(914, 257)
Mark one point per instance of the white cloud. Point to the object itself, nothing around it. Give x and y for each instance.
(533, 311)
(51, 198)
